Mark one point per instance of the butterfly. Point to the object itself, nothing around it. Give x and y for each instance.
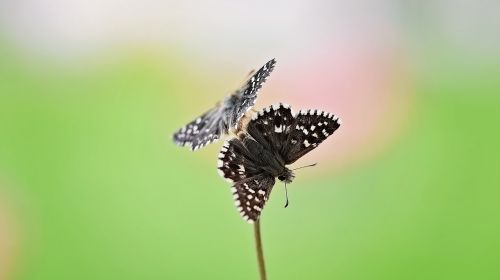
(226, 115)
(274, 138)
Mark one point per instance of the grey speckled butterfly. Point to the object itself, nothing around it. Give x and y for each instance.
(226, 115)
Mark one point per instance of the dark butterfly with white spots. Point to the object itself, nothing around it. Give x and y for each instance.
(226, 115)
(274, 138)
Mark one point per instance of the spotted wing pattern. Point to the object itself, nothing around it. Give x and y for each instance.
(271, 127)
(247, 94)
(240, 163)
(275, 137)
(210, 126)
(291, 136)
(235, 163)
(310, 128)
(206, 129)
(251, 194)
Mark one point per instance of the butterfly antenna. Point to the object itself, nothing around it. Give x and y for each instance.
(251, 73)
(286, 196)
(310, 165)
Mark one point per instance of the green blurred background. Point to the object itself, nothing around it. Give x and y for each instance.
(91, 186)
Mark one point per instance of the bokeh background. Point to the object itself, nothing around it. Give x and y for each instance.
(92, 187)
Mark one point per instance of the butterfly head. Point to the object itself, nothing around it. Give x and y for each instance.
(287, 176)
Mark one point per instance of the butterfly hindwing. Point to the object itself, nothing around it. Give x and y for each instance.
(251, 194)
(236, 162)
(243, 161)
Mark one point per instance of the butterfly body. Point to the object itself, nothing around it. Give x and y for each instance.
(274, 138)
(264, 161)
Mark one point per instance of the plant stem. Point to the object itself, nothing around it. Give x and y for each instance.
(258, 248)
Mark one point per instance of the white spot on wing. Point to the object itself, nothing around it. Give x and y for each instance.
(221, 173)
(306, 143)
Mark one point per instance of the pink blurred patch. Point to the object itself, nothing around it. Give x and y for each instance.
(367, 85)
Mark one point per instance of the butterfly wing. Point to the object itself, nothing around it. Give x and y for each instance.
(291, 136)
(275, 137)
(251, 194)
(310, 128)
(271, 126)
(206, 129)
(239, 159)
(244, 98)
(241, 162)
(210, 126)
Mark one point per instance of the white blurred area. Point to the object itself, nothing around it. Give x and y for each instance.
(352, 58)
(228, 30)
(221, 30)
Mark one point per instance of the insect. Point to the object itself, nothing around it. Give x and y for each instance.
(274, 138)
(226, 115)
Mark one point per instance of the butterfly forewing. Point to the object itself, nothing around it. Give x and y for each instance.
(271, 126)
(248, 93)
(226, 115)
(310, 128)
(289, 136)
(202, 131)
